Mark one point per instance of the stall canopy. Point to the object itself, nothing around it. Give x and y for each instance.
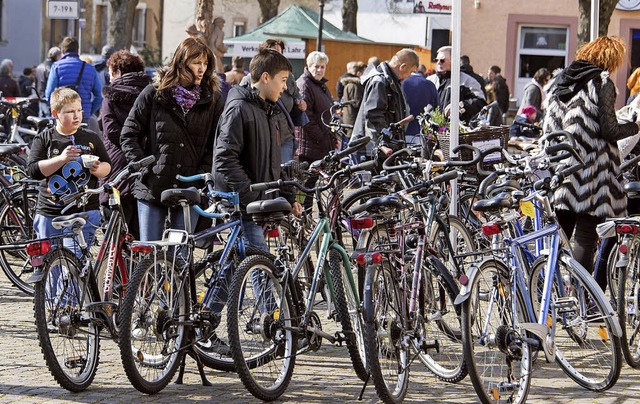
(294, 25)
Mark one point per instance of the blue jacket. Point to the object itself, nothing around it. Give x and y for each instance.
(65, 72)
(419, 93)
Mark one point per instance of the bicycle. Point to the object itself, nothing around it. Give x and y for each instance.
(15, 109)
(77, 296)
(508, 315)
(267, 311)
(167, 312)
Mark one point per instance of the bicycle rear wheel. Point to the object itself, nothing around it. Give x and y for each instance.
(69, 339)
(628, 303)
(152, 330)
(261, 317)
(387, 357)
(586, 348)
(348, 310)
(499, 362)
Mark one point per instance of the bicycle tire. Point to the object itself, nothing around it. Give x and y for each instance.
(261, 317)
(442, 323)
(349, 313)
(70, 343)
(15, 263)
(210, 341)
(383, 331)
(628, 300)
(586, 348)
(464, 243)
(499, 368)
(152, 330)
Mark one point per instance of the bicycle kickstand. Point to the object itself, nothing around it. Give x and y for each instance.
(203, 376)
(364, 386)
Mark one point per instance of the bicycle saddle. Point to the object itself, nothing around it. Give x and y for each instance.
(269, 210)
(173, 197)
(507, 185)
(378, 205)
(8, 149)
(69, 221)
(502, 200)
(40, 122)
(632, 189)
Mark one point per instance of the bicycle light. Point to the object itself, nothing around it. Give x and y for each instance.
(142, 248)
(273, 233)
(362, 223)
(627, 229)
(491, 228)
(369, 258)
(623, 248)
(38, 248)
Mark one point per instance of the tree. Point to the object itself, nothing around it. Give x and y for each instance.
(121, 23)
(268, 9)
(204, 18)
(584, 21)
(350, 16)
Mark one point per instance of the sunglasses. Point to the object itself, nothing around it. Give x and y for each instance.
(440, 60)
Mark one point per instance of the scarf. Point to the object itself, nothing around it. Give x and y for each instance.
(574, 78)
(185, 98)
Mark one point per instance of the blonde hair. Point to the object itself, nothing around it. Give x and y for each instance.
(62, 96)
(605, 52)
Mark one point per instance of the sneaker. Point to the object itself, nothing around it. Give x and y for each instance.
(215, 345)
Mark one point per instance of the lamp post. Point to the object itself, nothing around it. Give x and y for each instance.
(320, 21)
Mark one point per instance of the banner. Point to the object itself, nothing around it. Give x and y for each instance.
(293, 50)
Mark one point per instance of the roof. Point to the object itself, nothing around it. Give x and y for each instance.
(296, 22)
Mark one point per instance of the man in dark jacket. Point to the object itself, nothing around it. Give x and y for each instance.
(465, 67)
(500, 87)
(420, 92)
(384, 101)
(247, 148)
(66, 72)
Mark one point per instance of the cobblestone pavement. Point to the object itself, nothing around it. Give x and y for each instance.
(322, 377)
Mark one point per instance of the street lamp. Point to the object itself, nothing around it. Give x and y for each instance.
(320, 20)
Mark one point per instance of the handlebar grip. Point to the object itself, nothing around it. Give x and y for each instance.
(193, 178)
(369, 165)
(446, 177)
(485, 183)
(353, 146)
(137, 165)
(405, 120)
(263, 186)
(630, 163)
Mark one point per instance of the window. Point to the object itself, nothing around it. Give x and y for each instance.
(139, 34)
(239, 28)
(541, 47)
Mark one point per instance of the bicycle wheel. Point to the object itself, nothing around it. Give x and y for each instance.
(348, 310)
(454, 231)
(14, 229)
(586, 348)
(152, 323)
(498, 360)
(387, 357)
(261, 317)
(69, 339)
(441, 323)
(628, 290)
(212, 341)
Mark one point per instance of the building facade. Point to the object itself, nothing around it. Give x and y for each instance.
(20, 25)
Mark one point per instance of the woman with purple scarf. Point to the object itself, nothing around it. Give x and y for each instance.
(173, 119)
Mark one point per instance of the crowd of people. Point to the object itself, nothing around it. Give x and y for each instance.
(242, 124)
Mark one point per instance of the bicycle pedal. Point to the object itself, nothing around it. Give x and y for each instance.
(339, 338)
(425, 346)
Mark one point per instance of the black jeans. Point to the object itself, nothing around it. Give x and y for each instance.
(583, 229)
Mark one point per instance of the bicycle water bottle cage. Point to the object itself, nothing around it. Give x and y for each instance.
(175, 197)
(269, 211)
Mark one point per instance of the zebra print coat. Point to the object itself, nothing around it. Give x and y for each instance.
(590, 116)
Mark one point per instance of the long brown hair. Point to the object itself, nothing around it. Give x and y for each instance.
(606, 52)
(177, 72)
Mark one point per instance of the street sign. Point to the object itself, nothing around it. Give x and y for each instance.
(66, 10)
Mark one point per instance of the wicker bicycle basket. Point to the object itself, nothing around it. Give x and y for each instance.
(482, 138)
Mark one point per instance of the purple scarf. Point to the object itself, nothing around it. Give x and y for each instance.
(185, 98)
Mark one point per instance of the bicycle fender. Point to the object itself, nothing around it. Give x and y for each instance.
(465, 290)
(588, 279)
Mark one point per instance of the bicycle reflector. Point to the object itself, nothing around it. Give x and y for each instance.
(623, 248)
(627, 229)
(273, 233)
(362, 223)
(369, 258)
(142, 248)
(38, 248)
(490, 229)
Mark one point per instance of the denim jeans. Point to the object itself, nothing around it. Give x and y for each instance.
(43, 226)
(152, 218)
(253, 236)
(286, 151)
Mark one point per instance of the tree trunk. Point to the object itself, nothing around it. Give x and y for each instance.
(268, 9)
(350, 16)
(584, 21)
(204, 18)
(121, 23)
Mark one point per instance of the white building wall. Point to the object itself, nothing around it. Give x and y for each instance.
(21, 36)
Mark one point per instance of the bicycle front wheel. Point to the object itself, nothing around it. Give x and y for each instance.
(586, 348)
(69, 339)
(261, 318)
(387, 356)
(152, 323)
(498, 360)
(348, 310)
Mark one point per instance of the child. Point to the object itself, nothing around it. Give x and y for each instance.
(56, 159)
(526, 131)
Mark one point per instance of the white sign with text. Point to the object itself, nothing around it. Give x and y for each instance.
(63, 10)
(293, 50)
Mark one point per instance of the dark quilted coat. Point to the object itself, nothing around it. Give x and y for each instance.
(182, 143)
(316, 140)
